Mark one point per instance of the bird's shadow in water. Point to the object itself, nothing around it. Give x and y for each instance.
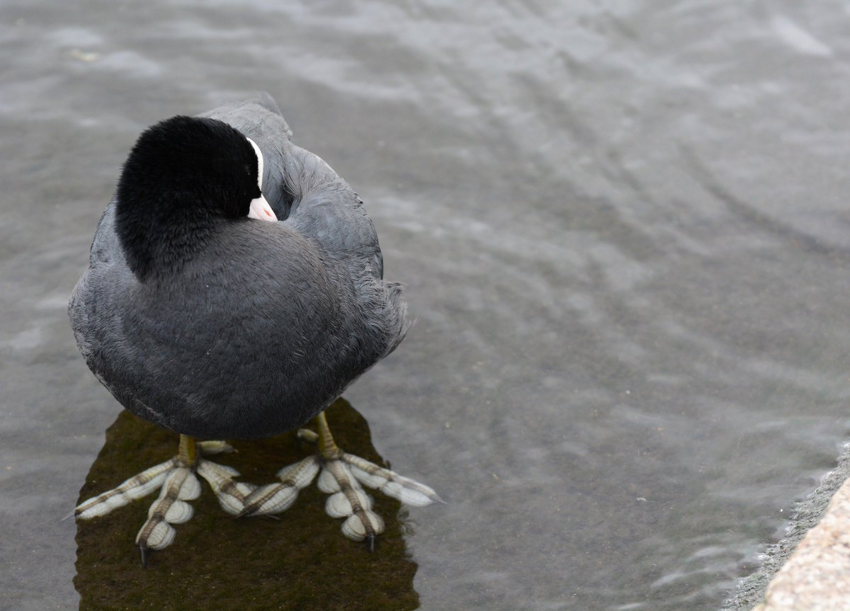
(301, 561)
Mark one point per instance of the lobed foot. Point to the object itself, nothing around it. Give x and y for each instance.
(340, 475)
(177, 482)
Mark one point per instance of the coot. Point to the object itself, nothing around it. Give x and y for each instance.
(235, 289)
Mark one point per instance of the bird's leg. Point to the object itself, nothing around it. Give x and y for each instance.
(187, 451)
(347, 500)
(341, 476)
(327, 446)
(177, 483)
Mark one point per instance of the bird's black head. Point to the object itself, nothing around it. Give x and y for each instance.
(182, 177)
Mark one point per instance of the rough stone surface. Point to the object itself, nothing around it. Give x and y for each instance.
(809, 570)
(817, 576)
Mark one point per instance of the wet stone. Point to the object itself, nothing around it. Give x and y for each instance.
(808, 570)
(817, 576)
(299, 561)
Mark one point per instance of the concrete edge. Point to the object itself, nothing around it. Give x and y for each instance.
(810, 567)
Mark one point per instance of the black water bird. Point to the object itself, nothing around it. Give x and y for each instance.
(235, 289)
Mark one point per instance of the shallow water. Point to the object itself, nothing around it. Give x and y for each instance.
(624, 232)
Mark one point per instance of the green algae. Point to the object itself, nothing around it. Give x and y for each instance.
(299, 562)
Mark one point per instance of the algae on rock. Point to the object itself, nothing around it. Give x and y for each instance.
(300, 561)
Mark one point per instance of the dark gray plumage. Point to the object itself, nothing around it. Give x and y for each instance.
(263, 324)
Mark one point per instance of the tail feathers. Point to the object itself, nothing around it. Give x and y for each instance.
(246, 115)
(265, 99)
(397, 323)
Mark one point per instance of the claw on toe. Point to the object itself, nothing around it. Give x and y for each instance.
(134, 488)
(171, 507)
(349, 500)
(406, 490)
(177, 482)
(341, 476)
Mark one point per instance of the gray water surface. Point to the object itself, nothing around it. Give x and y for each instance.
(625, 235)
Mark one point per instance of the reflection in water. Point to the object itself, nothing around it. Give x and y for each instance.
(301, 561)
